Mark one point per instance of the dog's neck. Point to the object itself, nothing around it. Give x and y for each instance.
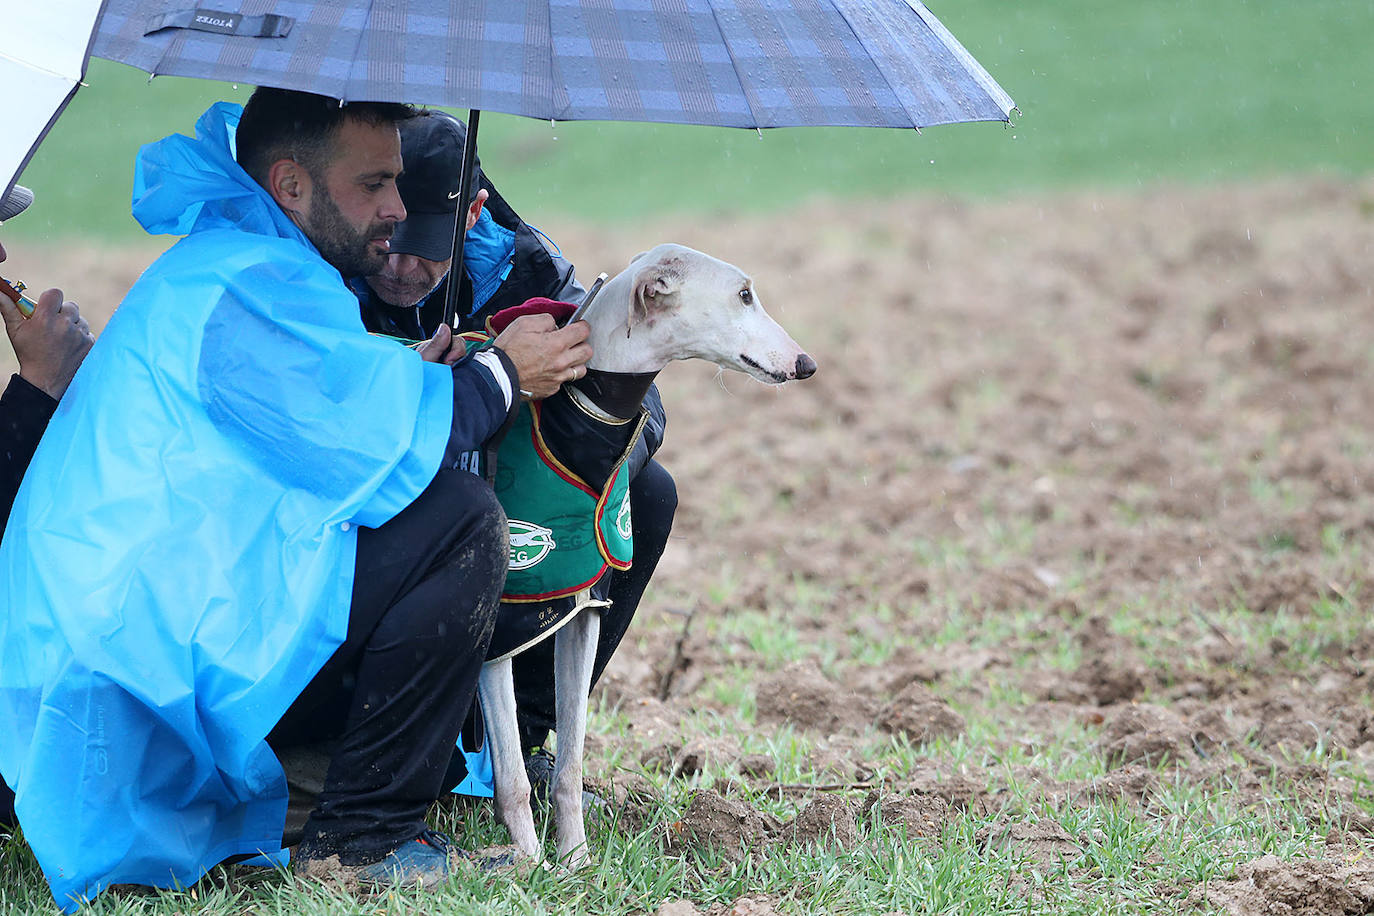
(624, 360)
(612, 397)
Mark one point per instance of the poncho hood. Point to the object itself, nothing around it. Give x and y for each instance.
(183, 184)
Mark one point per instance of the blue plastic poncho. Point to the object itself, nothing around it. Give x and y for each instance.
(180, 558)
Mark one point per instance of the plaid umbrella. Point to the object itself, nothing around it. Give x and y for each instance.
(727, 63)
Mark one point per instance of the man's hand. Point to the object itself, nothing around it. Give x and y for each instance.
(440, 348)
(544, 354)
(51, 343)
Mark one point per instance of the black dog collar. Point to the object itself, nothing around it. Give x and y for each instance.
(617, 393)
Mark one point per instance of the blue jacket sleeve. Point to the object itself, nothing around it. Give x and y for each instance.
(479, 422)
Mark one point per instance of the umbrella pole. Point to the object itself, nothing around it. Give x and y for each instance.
(455, 270)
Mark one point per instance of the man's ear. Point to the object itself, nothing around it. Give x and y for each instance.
(290, 186)
(475, 209)
(654, 289)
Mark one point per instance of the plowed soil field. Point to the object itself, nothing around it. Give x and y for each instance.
(1076, 515)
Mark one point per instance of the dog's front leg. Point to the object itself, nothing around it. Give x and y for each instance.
(512, 784)
(574, 653)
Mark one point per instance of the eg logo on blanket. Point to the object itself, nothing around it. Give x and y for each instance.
(529, 543)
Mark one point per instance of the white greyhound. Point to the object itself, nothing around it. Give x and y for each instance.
(670, 303)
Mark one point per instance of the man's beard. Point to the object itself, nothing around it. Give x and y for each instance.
(348, 249)
(402, 292)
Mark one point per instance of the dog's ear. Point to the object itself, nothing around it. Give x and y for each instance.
(655, 284)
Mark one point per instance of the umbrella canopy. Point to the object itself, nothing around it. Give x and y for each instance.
(40, 68)
(727, 63)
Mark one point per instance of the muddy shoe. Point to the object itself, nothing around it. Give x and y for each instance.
(423, 861)
(539, 769)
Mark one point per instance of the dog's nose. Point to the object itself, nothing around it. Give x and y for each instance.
(806, 366)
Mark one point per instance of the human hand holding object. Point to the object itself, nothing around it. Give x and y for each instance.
(545, 355)
(50, 343)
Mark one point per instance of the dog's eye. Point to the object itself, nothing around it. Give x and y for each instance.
(746, 296)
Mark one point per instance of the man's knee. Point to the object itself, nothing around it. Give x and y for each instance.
(475, 513)
(473, 561)
(653, 501)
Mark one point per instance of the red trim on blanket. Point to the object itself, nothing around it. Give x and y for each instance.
(542, 449)
(559, 593)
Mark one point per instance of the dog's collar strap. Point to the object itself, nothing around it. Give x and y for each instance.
(617, 393)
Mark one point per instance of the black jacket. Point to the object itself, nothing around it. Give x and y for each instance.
(24, 414)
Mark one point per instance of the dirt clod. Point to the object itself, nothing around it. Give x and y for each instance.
(827, 820)
(1146, 735)
(1043, 842)
(1303, 887)
(752, 905)
(726, 824)
(801, 695)
(920, 716)
(919, 816)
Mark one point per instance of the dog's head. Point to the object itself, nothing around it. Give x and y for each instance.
(694, 306)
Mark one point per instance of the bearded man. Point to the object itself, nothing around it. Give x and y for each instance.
(246, 521)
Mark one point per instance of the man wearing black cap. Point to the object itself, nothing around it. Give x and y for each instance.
(505, 262)
(50, 345)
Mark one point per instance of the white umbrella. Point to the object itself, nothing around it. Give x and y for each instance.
(40, 68)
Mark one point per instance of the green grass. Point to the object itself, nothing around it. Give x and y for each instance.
(1110, 94)
(1192, 831)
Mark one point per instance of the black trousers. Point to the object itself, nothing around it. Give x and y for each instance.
(7, 818)
(394, 695)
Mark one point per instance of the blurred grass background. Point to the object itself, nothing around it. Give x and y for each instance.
(1111, 94)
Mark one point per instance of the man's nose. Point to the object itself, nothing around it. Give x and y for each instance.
(392, 208)
(402, 264)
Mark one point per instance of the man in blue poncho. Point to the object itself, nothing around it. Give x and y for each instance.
(217, 539)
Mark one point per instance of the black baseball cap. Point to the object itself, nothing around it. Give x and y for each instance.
(432, 152)
(15, 202)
